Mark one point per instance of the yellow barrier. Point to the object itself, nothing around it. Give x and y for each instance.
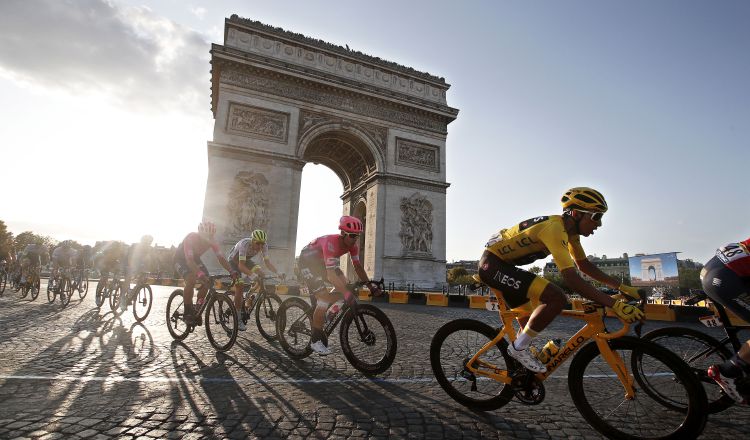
(364, 295)
(282, 289)
(398, 297)
(151, 280)
(659, 312)
(477, 302)
(437, 299)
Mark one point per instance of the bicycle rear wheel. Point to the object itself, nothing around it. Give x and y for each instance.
(265, 315)
(293, 327)
(83, 286)
(452, 347)
(600, 398)
(368, 339)
(51, 290)
(221, 322)
(142, 300)
(175, 316)
(115, 296)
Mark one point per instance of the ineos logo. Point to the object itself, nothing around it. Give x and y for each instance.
(508, 281)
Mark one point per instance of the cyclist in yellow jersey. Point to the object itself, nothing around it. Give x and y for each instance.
(559, 236)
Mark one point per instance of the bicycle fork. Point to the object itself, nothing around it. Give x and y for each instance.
(615, 361)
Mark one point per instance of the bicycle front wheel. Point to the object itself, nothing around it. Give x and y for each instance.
(83, 286)
(600, 397)
(452, 347)
(142, 300)
(699, 351)
(221, 322)
(115, 296)
(66, 291)
(175, 316)
(101, 294)
(293, 327)
(51, 290)
(35, 287)
(368, 339)
(265, 315)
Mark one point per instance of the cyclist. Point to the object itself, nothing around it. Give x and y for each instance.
(30, 260)
(110, 258)
(62, 257)
(558, 235)
(136, 262)
(318, 262)
(726, 280)
(187, 261)
(239, 258)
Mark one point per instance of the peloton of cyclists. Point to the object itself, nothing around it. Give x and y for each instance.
(558, 235)
(239, 258)
(726, 280)
(319, 262)
(62, 257)
(110, 258)
(187, 261)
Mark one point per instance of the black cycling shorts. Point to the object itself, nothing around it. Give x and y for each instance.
(724, 286)
(312, 270)
(180, 264)
(517, 285)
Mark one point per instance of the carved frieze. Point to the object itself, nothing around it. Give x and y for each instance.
(417, 155)
(416, 225)
(257, 122)
(333, 98)
(248, 205)
(309, 120)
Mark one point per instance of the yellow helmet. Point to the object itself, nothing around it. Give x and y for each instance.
(584, 199)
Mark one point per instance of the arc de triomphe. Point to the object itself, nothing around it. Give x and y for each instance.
(281, 100)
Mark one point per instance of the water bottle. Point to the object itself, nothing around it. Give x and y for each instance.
(549, 351)
(333, 310)
(249, 301)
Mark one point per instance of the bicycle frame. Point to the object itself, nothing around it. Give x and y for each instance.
(594, 328)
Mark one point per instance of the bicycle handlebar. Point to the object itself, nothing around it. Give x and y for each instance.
(697, 296)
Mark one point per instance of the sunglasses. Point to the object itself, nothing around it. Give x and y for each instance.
(596, 216)
(352, 235)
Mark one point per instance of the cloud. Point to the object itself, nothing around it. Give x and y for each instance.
(198, 12)
(135, 57)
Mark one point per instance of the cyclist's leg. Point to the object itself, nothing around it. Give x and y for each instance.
(725, 287)
(312, 270)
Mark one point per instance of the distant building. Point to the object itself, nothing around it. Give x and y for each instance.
(469, 265)
(614, 267)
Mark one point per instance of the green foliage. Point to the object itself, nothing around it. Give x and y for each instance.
(536, 270)
(25, 238)
(690, 278)
(454, 274)
(6, 241)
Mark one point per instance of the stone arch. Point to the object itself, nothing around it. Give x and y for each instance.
(346, 150)
(281, 100)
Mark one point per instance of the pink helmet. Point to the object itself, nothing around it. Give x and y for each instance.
(350, 224)
(207, 227)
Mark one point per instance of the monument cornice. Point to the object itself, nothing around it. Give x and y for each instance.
(336, 93)
(246, 153)
(398, 180)
(237, 22)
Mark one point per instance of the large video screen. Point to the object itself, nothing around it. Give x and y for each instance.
(655, 270)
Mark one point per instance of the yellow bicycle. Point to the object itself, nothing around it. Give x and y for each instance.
(617, 382)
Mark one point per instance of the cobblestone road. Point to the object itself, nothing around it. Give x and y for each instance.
(82, 373)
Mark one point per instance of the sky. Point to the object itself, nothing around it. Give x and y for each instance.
(105, 113)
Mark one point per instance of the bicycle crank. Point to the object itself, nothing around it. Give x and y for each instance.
(528, 389)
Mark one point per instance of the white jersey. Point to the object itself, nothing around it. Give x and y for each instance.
(242, 251)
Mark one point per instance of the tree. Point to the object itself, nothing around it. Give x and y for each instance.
(456, 273)
(690, 278)
(27, 237)
(6, 241)
(536, 270)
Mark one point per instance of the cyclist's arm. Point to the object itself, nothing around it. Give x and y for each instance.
(576, 283)
(223, 261)
(267, 262)
(594, 272)
(361, 272)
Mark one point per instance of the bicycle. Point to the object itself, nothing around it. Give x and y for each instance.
(220, 317)
(294, 330)
(471, 363)
(60, 285)
(265, 304)
(140, 297)
(81, 282)
(700, 350)
(32, 284)
(3, 279)
(105, 291)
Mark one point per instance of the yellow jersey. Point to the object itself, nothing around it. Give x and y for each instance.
(536, 238)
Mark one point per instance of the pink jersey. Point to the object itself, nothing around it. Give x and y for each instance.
(194, 246)
(330, 249)
(736, 256)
